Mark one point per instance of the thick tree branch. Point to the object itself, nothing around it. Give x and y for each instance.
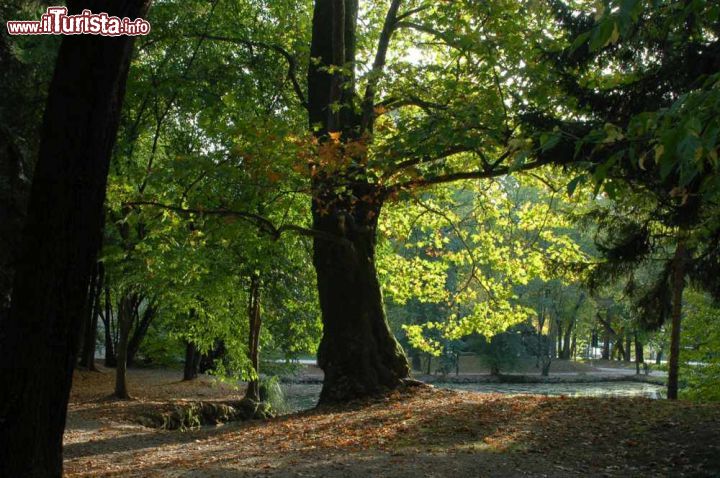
(289, 57)
(492, 171)
(390, 104)
(379, 65)
(413, 11)
(262, 223)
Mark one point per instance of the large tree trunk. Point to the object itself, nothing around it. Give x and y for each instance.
(192, 360)
(678, 286)
(255, 322)
(358, 353)
(60, 243)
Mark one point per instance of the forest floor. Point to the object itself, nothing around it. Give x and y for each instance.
(418, 432)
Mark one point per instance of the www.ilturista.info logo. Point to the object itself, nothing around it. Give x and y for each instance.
(57, 22)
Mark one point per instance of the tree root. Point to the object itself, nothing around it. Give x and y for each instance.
(197, 414)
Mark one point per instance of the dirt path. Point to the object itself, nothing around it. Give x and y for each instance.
(424, 432)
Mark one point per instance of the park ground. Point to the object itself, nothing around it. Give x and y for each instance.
(421, 431)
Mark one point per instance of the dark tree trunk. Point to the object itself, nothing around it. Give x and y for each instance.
(659, 357)
(358, 353)
(126, 315)
(606, 347)
(110, 358)
(87, 313)
(619, 350)
(416, 361)
(429, 364)
(60, 242)
(208, 361)
(567, 338)
(628, 348)
(192, 360)
(639, 354)
(255, 323)
(678, 286)
(87, 356)
(139, 333)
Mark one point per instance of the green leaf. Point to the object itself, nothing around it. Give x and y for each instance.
(572, 186)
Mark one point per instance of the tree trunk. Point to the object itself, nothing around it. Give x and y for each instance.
(60, 242)
(567, 338)
(639, 354)
(255, 322)
(208, 361)
(358, 353)
(139, 333)
(560, 340)
(606, 347)
(678, 286)
(628, 348)
(125, 319)
(110, 358)
(87, 356)
(192, 360)
(416, 361)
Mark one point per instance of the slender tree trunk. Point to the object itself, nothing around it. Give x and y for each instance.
(416, 361)
(560, 340)
(140, 331)
(628, 348)
(639, 354)
(110, 358)
(60, 243)
(87, 356)
(255, 323)
(192, 360)
(678, 286)
(125, 320)
(606, 347)
(87, 313)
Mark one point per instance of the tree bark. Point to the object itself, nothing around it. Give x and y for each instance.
(110, 358)
(126, 308)
(87, 356)
(255, 323)
(628, 346)
(192, 360)
(606, 347)
(416, 361)
(140, 331)
(61, 239)
(639, 354)
(678, 286)
(358, 353)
